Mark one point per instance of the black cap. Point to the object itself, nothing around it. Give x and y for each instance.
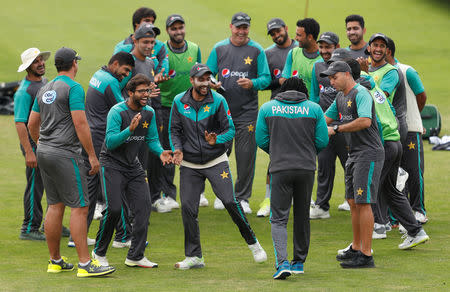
(275, 23)
(199, 70)
(146, 30)
(340, 54)
(375, 36)
(329, 37)
(174, 18)
(66, 55)
(240, 18)
(335, 67)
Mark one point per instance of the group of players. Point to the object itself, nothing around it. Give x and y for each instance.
(372, 107)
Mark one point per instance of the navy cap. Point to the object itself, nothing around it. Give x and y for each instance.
(340, 54)
(375, 36)
(174, 18)
(66, 55)
(199, 70)
(240, 18)
(275, 23)
(146, 30)
(335, 67)
(329, 37)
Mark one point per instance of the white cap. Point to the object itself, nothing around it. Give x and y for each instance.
(28, 56)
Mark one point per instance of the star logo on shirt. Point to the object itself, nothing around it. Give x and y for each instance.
(153, 52)
(376, 78)
(161, 128)
(206, 109)
(360, 192)
(248, 61)
(250, 128)
(411, 145)
(224, 174)
(189, 59)
(145, 125)
(349, 103)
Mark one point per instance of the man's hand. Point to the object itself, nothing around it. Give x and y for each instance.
(245, 83)
(95, 165)
(155, 91)
(135, 122)
(30, 159)
(211, 138)
(177, 157)
(160, 77)
(215, 86)
(281, 80)
(364, 63)
(166, 157)
(331, 131)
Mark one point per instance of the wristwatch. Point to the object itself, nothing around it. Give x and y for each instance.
(336, 128)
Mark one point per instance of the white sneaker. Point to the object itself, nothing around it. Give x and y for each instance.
(342, 251)
(143, 263)
(98, 211)
(246, 207)
(171, 203)
(102, 260)
(379, 231)
(190, 263)
(421, 217)
(90, 241)
(259, 254)
(264, 211)
(318, 213)
(160, 206)
(203, 201)
(218, 205)
(344, 206)
(120, 244)
(402, 177)
(402, 229)
(412, 241)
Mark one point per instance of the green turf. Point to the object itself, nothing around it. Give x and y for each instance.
(420, 29)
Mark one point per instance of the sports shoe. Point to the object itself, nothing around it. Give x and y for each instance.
(190, 263)
(318, 213)
(379, 231)
(347, 255)
(246, 207)
(94, 269)
(402, 177)
(203, 201)
(264, 210)
(402, 229)
(341, 251)
(102, 260)
(120, 244)
(65, 232)
(143, 263)
(259, 254)
(58, 267)
(412, 241)
(344, 206)
(283, 271)
(90, 242)
(297, 268)
(312, 203)
(421, 218)
(160, 206)
(32, 235)
(171, 203)
(359, 261)
(98, 211)
(218, 205)
(388, 227)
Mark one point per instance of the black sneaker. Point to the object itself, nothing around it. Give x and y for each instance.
(347, 255)
(32, 235)
(359, 261)
(62, 266)
(94, 269)
(65, 232)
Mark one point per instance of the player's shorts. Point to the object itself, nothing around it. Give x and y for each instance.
(362, 180)
(64, 178)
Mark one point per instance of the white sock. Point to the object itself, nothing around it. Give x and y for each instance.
(57, 261)
(84, 264)
(267, 191)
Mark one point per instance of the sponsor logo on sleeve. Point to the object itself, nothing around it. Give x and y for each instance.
(277, 73)
(49, 97)
(294, 73)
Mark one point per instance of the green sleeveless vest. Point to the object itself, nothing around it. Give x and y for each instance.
(302, 66)
(385, 114)
(379, 74)
(179, 67)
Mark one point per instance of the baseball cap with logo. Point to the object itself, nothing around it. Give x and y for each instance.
(199, 69)
(28, 57)
(375, 36)
(275, 23)
(146, 30)
(240, 18)
(340, 54)
(335, 67)
(174, 18)
(66, 55)
(329, 37)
